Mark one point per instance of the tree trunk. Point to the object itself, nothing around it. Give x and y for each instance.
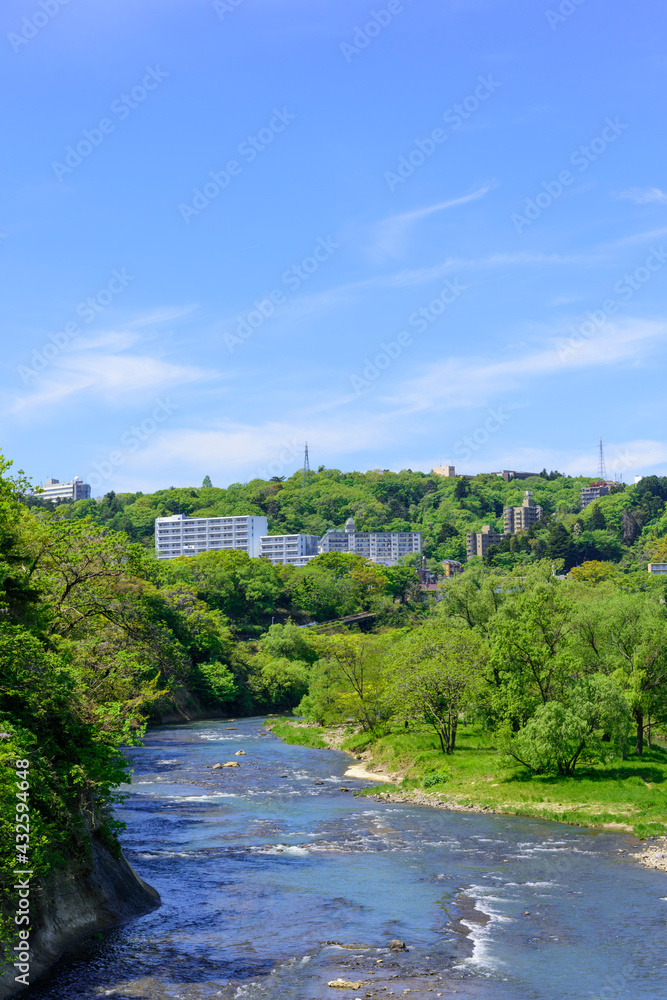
(452, 730)
(639, 719)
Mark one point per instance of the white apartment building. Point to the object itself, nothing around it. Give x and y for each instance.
(74, 490)
(382, 547)
(294, 550)
(180, 535)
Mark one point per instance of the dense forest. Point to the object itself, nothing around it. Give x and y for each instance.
(557, 646)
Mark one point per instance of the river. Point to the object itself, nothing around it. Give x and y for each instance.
(275, 882)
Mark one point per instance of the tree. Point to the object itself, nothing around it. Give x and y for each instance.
(531, 648)
(559, 545)
(633, 634)
(560, 735)
(462, 488)
(594, 572)
(435, 671)
(355, 661)
(207, 484)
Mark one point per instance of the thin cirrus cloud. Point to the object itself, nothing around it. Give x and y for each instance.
(104, 367)
(256, 450)
(462, 382)
(644, 196)
(390, 236)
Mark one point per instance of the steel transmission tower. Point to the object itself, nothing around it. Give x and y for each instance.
(306, 469)
(602, 468)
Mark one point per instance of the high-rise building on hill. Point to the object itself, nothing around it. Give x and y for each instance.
(383, 547)
(598, 489)
(479, 542)
(294, 550)
(523, 517)
(74, 490)
(180, 535)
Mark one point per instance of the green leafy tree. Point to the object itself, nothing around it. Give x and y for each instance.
(559, 736)
(435, 673)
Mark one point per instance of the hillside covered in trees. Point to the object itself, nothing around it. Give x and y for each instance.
(622, 528)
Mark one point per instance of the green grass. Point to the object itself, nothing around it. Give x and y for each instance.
(303, 736)
(629, 794)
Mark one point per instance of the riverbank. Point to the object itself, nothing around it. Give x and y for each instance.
(624, 796)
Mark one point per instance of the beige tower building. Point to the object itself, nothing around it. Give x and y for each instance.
(523, 517)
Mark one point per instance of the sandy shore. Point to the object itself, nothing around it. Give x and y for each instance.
(359, 771)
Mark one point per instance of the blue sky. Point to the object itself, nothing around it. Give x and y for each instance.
(411, 232)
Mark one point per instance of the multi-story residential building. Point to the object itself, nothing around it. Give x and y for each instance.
(452, 567)
(382, 547)
(523, 517)
(74, 490)
(180, 535)
(479, 542)
(449, 471)
(295, 550)
(660, 568)
(598, 489)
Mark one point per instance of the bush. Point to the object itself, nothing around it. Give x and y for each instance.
(435, 778)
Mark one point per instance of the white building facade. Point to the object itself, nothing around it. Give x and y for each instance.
(382, 547)
(74, 490)
(180, 535)
(293, 550)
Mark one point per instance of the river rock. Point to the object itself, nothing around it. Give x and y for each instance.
(319, 782)
(216, 767)
(232, 763)
(344, 984)
(240, 753)
(343, 789)
(397, 945)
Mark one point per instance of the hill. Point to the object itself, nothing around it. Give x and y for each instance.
(621, 528)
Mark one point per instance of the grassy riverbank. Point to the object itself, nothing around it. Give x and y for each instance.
(625, 795)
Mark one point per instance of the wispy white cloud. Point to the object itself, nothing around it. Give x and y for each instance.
(390, 235)
(473, 381)
(166, 314)
(102, 366)
(253, 451)
(644, 196)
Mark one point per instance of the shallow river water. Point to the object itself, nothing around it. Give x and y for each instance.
(274, 885)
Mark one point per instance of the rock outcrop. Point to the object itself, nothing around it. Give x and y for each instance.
(74, 903)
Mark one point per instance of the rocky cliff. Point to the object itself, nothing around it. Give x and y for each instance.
(76, 902)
